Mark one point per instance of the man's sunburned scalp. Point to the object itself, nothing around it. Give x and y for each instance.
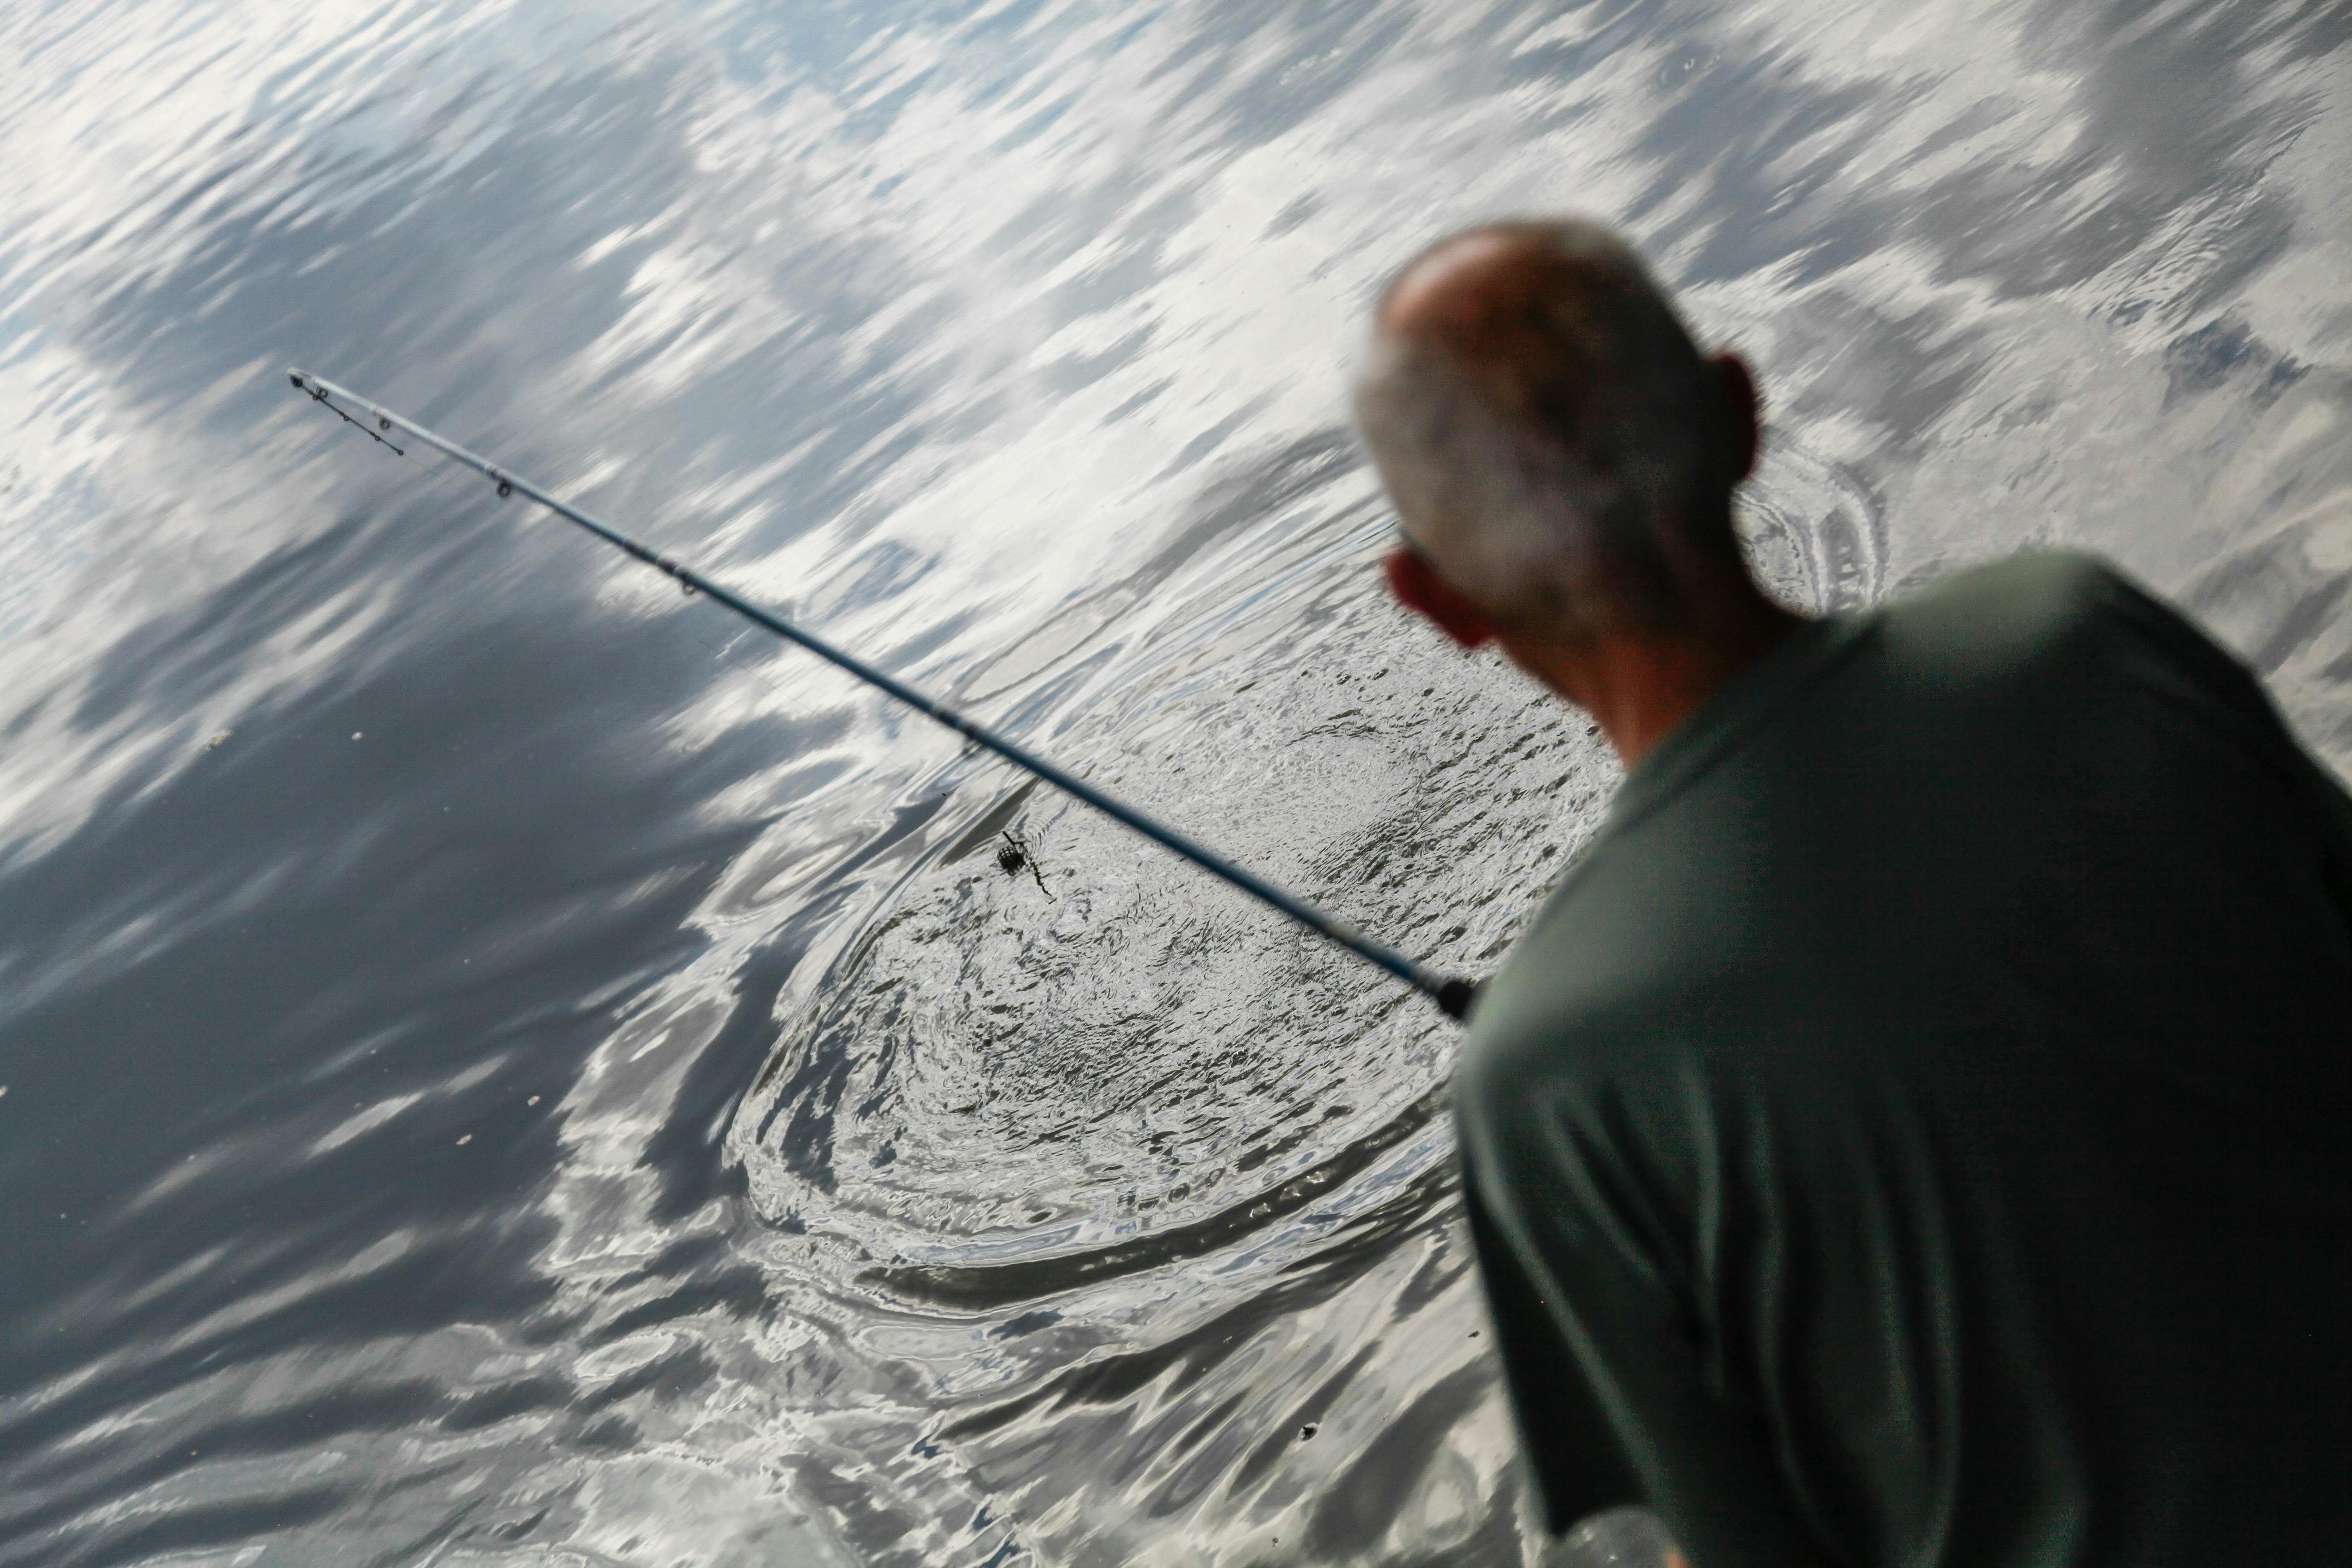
(1521, 318)
(1556, 444)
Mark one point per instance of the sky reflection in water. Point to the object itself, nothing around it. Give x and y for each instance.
(544, 1086)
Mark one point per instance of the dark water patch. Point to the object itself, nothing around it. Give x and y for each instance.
(1185, 1358)
(737, 1292)
(227, 1438)
(991, 1286)
(217, 1524)
(524, 1396)
(1359, 1509)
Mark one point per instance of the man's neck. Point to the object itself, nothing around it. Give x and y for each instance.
(1639, 685)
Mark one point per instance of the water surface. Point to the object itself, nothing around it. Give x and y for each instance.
(502, 1066)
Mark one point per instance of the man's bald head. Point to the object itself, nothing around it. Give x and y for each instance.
(1556, 444)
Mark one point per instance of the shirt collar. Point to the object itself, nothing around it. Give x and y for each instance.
(1725, 719)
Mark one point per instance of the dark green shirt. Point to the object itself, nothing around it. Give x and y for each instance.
(1915, 1133)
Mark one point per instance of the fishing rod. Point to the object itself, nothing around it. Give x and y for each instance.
(1453, 995)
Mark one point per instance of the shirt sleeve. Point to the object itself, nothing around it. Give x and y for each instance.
(2162, 651)
(1609, 1373)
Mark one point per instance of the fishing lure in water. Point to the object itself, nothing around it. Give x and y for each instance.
(1013, 855)
(1453, 996)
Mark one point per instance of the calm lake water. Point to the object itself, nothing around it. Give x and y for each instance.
(503, 1067)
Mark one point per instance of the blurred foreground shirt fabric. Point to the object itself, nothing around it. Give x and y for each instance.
(1915, 1133)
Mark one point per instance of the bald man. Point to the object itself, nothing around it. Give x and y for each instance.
(1915, 1131)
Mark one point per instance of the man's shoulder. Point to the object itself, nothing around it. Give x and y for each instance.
(2028, 586)
(1940, 729)
(2026, 611)
(2067, 632)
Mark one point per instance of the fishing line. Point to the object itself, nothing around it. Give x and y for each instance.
(1453, 995)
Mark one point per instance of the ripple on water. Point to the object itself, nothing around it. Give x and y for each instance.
(1015, 1082)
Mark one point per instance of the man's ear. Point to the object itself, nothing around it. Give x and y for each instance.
(1417, 586)
(1745, 408)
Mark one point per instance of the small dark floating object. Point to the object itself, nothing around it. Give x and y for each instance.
(1309, 1430)
(1013, 855)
